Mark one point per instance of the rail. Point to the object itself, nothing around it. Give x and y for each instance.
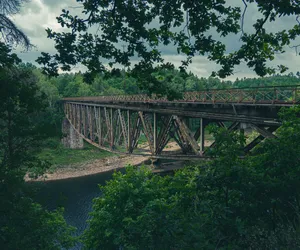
(259, 95)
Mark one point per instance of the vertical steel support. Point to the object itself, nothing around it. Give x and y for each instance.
(117, 134)
(123, 127)
(85, 121)
(111, 129)
(74, 115)
(154, 133)
(78, 118)
(98, 124)
(100, 128)
(108, 126)
(89, 122)
(68, 111)
(86, 128)
(128, 130)
(202, 138)
(92, 124)
(81, 119)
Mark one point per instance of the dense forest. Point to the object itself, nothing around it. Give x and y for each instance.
(121, 82)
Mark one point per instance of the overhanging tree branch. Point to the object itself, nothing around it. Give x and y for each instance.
(9, 31)
(157, 23)
(243, 16)
(11, 34)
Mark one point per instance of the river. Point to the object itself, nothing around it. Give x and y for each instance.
(75, 195)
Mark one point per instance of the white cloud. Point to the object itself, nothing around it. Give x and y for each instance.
(37, 15)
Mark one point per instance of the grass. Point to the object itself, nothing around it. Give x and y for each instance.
(55, 153)
(143, 139)
(59, 156)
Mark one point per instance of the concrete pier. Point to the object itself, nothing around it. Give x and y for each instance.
(71, 139)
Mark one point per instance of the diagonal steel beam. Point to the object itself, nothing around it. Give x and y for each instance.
(265, 133)
(232, 127)
(164, 134)
(257, 140)
(180, 138)
(108, 125)
(135, 133)
(91, 123)
(123, 127)
(221, 124)
(98, 119)
(147, 128)
(186, 133)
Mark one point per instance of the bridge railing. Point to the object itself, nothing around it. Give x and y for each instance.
(257, 95)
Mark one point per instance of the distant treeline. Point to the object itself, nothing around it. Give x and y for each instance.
(120, 82)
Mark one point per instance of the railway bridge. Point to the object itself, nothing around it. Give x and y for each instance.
(146, 125)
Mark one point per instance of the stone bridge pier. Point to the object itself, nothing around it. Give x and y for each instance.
(71, 139)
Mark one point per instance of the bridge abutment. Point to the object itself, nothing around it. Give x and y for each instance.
(71, 139)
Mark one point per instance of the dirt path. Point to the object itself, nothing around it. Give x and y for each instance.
(92, 167)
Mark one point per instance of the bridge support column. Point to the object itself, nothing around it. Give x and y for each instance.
(202, 138)
(71, 138)
(154, 133)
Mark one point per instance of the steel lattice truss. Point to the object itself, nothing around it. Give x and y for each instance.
(141, 125)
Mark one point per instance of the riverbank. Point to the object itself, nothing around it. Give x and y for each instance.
(91, 167)
(70, 163)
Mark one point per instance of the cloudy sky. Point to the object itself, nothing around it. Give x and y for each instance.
(37, 15)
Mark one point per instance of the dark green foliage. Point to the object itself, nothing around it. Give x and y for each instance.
(275, 80)
(9, 33)
(278, 164)
(142, 27)
(21, 105)
(24, 224)
(7, 58)
(59, 156)
(172, 81)
(230, 203)
(124, 215)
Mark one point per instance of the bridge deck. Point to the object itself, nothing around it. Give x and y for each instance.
(275, 95)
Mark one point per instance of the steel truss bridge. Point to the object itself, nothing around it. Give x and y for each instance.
(143, 125)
